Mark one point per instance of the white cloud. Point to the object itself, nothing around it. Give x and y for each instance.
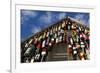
(49, 17)
(62, 15)
(81, 18)
(46, 18)
(35, 30)
(29, 13)
(23, 19)
(26, 14)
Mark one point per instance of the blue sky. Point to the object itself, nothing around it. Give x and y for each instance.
(33, 21)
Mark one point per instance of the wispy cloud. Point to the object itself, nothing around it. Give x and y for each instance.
(26, 14)
(29, 13)
(35, 30)
(50, 17)
(82, 18)
(62, 15)
(46, 18)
